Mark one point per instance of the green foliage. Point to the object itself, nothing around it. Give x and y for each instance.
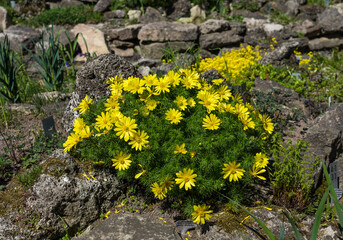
(319, 2)
(252, 6)
(292, 175)
(28, 177)
(9, 90)
(68, 15)
(280, 17)
(51, 64)
(211, 148)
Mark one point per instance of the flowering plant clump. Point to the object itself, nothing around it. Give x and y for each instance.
(179, 136)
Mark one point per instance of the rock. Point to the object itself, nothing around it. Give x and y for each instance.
(238, 28)
(282, 52)
(94, 38)
(181, 8)
(219, 40)
(255, 36)
(248, 14)
(117, 43)
(19, 37)
(129, 226)
(151, 15)
(325, 43)
(5, 19)
(46, 97)
(252, 23)
(23, 108)
(65, 3)
(63, 192)
(270, 28)
(197, 15)
(91, 80)
(134, 15)
(127, 52)
(310, 12)
(149, 62)
(325, 138)
(331, 21)
(102, 5)
(115, 14)
(158, 49)
(124, 33)
(144, 70)
(292, 8)
(213, 25)
(168, 31)
(212, 74)
(304, 27)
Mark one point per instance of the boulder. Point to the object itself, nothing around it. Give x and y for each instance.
(95, 39)
(325, 138)
(238, 28)
(123, 52)
(331, 21)
(19, 37)
(219, 40)
(181, 8)
(271, 28)
(213, 25)
(292, 8)
(158, 49)
(324, 43)
(124, 33)
(102, 5)
(197, 15)
(279, 54)
(63, 198)
(115, 14)
(64, 3)
(255, 36)
(5, 20)
(310, 12)
(91, 80)
(134, 15)
(118, 43)
(151, 15)
(168, 31)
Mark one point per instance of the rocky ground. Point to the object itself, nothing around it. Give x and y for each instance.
(66, 200)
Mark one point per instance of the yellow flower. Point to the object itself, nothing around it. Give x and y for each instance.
(112, 103)
(261, 160)
(256, 170)
(162, 85)
(139, 140)
(209, 100)
(174, 116)
(267, 123)
(193, 153)
(138, 175)
(158, 191)
(106, 214)
(218, 81)
(181, 102)
(116, 79)
(85, 132)
(247, 122)
(237, 98)
(240, 109)
(190, 79)
(180, 149)
(191, 102)
(151, 104)
(233, 171)
(186, 178)
(121, 161)
(104, 121)
(137, 85)
(125, 128)
(174, 78)
(211, 122)
(150, 80)
(201, 213)
(84, 104)
(167, 184)
(71, 141)
(224, 92)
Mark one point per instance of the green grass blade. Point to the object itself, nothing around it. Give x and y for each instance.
(318, 216)
(296, 231)
(333, 195)
(282, 232)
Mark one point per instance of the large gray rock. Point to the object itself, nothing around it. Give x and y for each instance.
(292, 8)
(5, 20)
(19, 36)
(61, 199)
(324, 43)
(279, 54)
(181, 8)
(129, 226)
(124, 33)
(331, 21)
(213, 25)
(325, 138)
(91, 80)
(151, 15)
(102, 5)
(158, 49)
(219, 40)
(168, 31)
